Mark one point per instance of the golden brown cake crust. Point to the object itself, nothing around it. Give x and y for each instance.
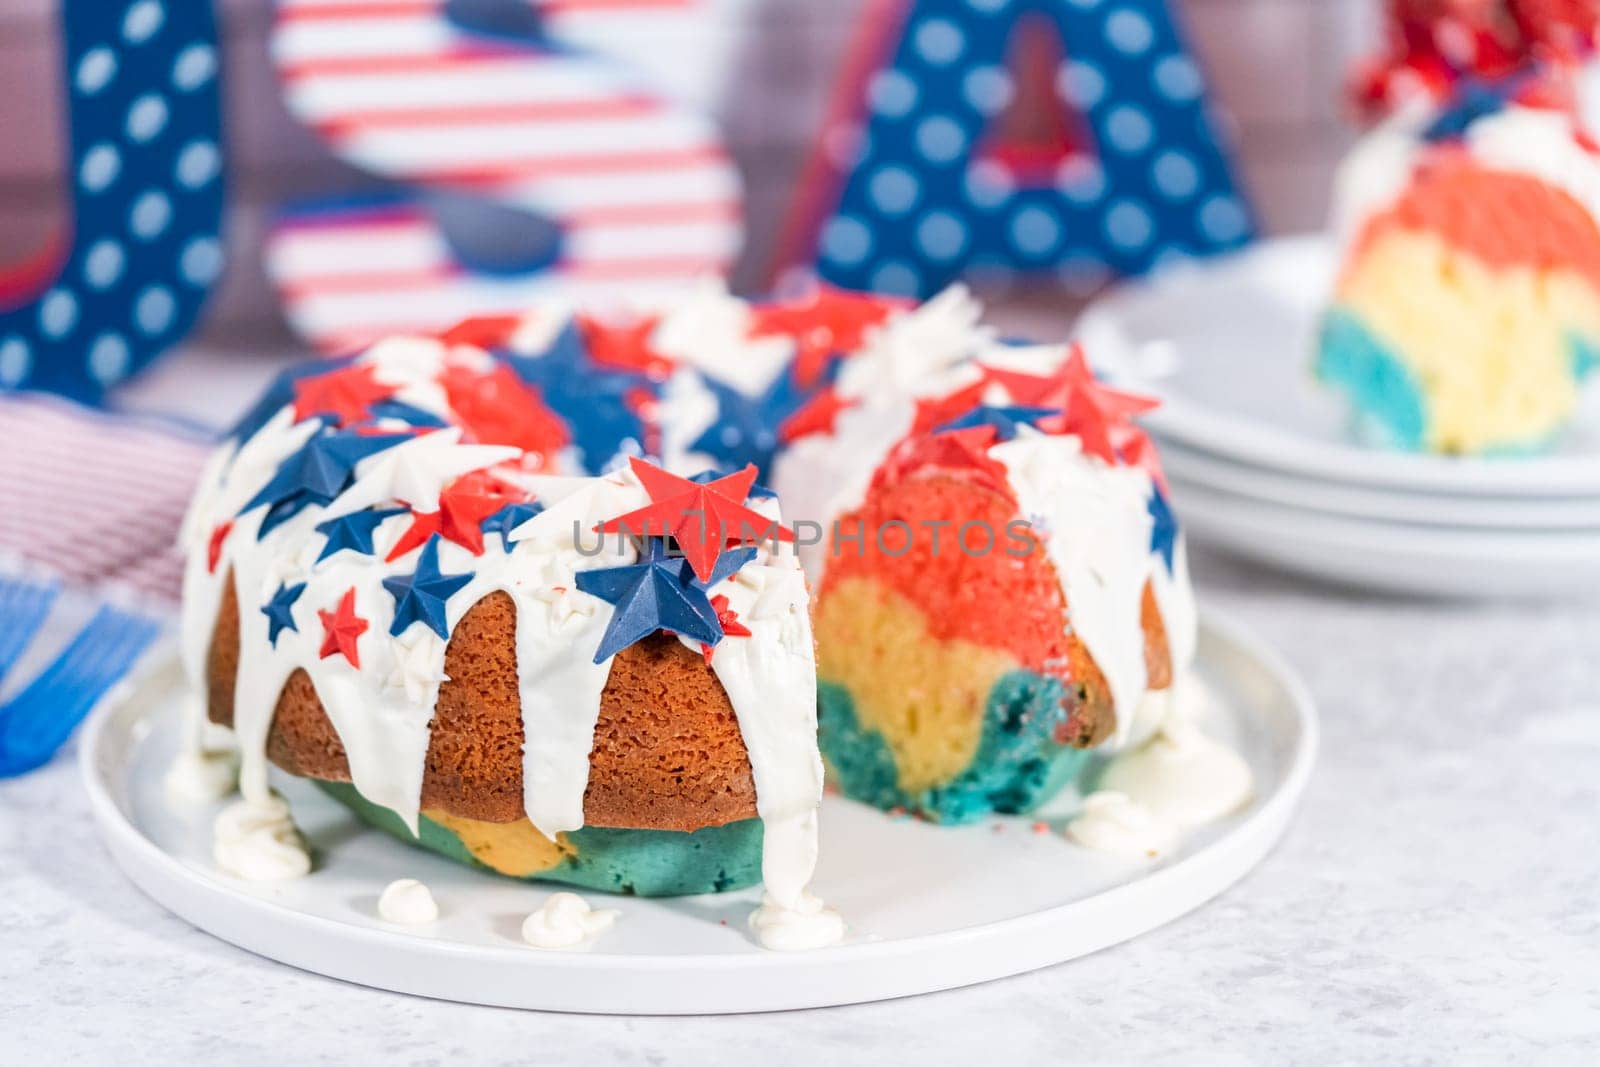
(668, 754)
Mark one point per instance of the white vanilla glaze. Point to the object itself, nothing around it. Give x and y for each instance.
(407, 902)
(1181, 776)
(804, 924)
(201, 775)
(1109, 821)
(256, 840)
(382, 711)
(565, 921)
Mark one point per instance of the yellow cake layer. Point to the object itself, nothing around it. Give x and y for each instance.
(1492, 347)
(926, 697)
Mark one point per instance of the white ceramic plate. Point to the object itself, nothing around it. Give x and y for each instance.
(1211, 471)
(929, 908)
(1431, 561)
(1228, 345)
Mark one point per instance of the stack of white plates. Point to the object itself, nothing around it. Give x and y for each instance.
(1261, 462)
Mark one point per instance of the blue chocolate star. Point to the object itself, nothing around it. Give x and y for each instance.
(353, 531)
(409, 414)
(657, 593)
(1164, 528)
(421, 596)
(277, 611)
(1005, 420)
(746, 427)
(1472, 100)
(509, 518)
(591, 399)
(320, 471)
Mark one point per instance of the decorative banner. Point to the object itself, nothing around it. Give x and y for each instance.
(1068, 138)
(545, 166)
(147, 196)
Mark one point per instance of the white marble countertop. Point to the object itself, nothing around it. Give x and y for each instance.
(1437, 899)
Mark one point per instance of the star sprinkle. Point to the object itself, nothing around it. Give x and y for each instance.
(418, 668)
(416, 472)
(626, 347)
(817, 415)
(1471, 100)
(353, 531)
(509, 518)
(744, 430)
(938, 410)
(1005, 420)
(826, 325)
(421, 596)
(278, 611)
(728, 619)
(214, 546)
(702, 517)
(657, 593)
(1164, 527)
(342, 628)
(322, 469)
(345, 395)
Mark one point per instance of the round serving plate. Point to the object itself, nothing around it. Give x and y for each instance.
(1228, 344)
(929, 908)
(1208, 470)
(1395, 557)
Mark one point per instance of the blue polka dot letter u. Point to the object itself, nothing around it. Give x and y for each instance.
(146, 179)
(1000, 138)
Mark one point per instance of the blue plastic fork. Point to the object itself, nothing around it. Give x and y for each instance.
(24, 606)
(37, 722)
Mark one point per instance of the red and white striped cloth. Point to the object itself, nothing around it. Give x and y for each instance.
(96, 498)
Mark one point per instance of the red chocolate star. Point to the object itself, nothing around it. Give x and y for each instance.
(626, 347)
(483, 331)
(830, 322)
(1091, 410)
(933, 412)
(816, 415)
(341, 628)
(498, 408)
(731, 626)
(704, 518)
(1137, 450)
(964, 452)
(346, 394)
(463, 505)
(214, 548)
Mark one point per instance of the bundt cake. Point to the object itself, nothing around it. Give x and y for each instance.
(391, 590)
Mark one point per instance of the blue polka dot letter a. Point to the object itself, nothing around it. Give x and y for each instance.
(146, 179)
(997, 138)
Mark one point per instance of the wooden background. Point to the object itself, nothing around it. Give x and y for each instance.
(1275, 65)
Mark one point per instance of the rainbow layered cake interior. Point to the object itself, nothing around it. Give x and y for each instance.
(1466, 315)
(1002, 597)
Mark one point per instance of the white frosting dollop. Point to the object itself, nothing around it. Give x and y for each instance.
(407, 902)
(807, 924)
(256, 840)
(565, 921)
(1181, 776)
(201, 776)
(1114, 822)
